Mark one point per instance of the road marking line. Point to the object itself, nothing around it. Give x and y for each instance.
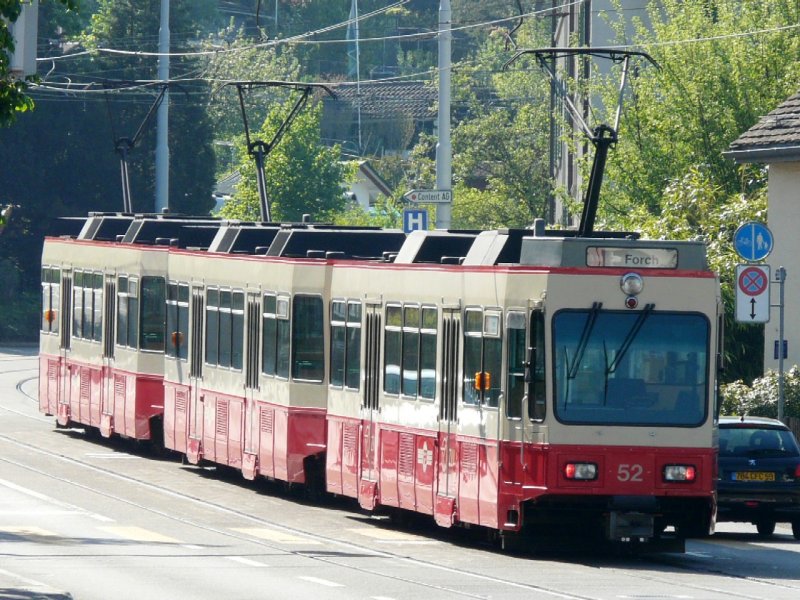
(50, 500)
(325, 582)
(138, 534)
(246, 561)
(274, 535)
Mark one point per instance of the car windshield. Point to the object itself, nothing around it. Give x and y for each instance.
(632, 368)
(752, 441)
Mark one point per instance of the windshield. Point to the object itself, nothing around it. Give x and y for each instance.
(630, 368)
(753, 442)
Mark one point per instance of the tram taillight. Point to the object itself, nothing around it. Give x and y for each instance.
(583, 471)
(680, 473)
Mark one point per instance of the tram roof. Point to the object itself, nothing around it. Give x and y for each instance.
(320, 241)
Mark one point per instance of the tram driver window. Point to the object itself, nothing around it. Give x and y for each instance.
(51, 299)
(482, 357)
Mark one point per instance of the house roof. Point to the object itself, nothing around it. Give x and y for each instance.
(775, 138)
(376, 179)
(389, 99)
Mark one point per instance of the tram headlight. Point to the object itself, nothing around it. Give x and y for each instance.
(631, 284)
(581, 471)
(685, 473)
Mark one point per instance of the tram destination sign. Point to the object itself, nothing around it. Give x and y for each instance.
(639, 258)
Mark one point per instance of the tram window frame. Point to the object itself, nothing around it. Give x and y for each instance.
(51, 300)
(516, 362)
(178, 320)
(127, 311)
(87, 306)
(275, 338)
(482, 337)
(410, 350)
(345, 351)
(153, 313)
(308, 338)
(537, 375)
(224, 328)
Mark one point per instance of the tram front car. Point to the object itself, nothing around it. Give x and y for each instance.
(627, 450)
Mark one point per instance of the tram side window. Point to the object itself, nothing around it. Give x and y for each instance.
(515, 343)
(127, 311)
(224, 328)
(345, 363)
(153, 310)
(482, 357)
(275, 336)
(410, 351)
(392, 345)
(537, 405)
(178, 320)
(308, 345)
(51, 299)
(87, 306)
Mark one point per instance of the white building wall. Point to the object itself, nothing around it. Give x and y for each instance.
(784, 222)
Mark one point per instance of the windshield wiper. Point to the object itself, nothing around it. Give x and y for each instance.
(591, 318)
(626, 343)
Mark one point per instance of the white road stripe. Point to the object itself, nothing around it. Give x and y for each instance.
(71, 508)
(325, 582)
(246, 561)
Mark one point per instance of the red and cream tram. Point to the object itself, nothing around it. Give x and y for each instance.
(518, 380)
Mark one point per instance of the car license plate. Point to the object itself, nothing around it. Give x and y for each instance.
(753, 476)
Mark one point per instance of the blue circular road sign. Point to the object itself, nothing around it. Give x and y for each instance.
(753, 241)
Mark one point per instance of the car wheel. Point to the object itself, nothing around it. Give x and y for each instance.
(765, 527)
(796, 530)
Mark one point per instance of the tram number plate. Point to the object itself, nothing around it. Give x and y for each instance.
(753, 476)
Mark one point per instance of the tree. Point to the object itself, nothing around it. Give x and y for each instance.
(717, 77)
(13, 97)
(302, 175)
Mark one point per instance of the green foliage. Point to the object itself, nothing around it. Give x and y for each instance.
(704, 96)
(302, 175)
(761, 398)
(385, 213)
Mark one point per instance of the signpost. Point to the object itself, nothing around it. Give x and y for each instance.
(413, 219)
(752, 293)
(753, 241)
(429, 196)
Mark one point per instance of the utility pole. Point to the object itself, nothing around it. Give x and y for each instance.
(162, 133)
(444, 176)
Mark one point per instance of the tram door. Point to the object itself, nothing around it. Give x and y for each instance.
(371, 398)
(63, 412)
(196, 374)
(107, 397)
(448, 407)
(251, 385)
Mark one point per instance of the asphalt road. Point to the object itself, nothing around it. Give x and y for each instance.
(91, 519)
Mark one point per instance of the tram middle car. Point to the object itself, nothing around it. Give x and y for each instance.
(524, 381)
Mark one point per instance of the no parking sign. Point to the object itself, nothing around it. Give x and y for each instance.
(752, 293)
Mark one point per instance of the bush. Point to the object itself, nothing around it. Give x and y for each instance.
(761, 398)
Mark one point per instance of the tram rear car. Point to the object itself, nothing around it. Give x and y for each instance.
(102, 333)
(544, 384)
